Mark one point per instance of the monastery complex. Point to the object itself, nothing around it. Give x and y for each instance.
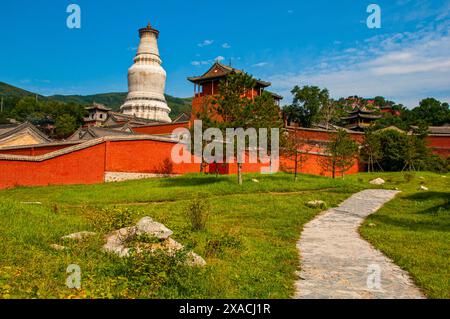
(137, 141)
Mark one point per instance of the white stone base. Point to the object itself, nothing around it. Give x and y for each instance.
(121, 176)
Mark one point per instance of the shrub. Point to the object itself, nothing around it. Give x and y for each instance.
(166, 167)
(216, 246)
(142, 274)
(109, 219)
(408, 177)
(197, 213)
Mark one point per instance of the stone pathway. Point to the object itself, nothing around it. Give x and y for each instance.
(337, 264)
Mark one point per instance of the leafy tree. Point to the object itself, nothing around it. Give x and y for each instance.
(342, 152)
(390, 120)
(296, 148)
(431, 111)
(232, 108)
(3, 118)
(392, 146)
(65, 125)
(307, 104)
(371, 150)
(331, 113)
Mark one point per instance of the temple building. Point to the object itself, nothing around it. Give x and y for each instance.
(21, 134)
(207, 85)
(360, 118)
(147, 81)
(97, 114)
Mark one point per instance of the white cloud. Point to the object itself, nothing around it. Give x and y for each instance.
(205, 43)
(197, 63)
(404, 67)
(259, 65)
(226, 46)
(207, 62)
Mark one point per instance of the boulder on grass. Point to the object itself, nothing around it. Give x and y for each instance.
(118, 241)
(149, 227)
(378, 181)
(316, 203)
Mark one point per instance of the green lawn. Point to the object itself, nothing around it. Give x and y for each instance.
(414, 230)
(249, 242)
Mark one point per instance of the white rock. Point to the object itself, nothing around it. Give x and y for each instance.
(316, 203)
(116, 241)
(195, 260)
(423, 188)
(58, 247)
(148, 226)
(79, 236)
(378, 181)
(255, 180)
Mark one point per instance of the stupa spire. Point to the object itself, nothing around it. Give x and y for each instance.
(147, 80)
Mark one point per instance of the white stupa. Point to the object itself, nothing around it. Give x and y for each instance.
(147, 81)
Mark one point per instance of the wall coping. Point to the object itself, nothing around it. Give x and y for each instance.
(87, 144)
(319, 130)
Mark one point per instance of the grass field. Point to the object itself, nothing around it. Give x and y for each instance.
(249, 242)
(414, 230)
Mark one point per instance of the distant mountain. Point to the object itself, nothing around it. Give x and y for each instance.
(9, 91)
(12, 94)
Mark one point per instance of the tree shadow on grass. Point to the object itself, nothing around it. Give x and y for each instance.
(414, 225)
(442, 197)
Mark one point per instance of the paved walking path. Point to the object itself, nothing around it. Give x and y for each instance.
(337, 263)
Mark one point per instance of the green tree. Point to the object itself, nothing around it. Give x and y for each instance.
(65, 125)
(232, 108)
(296, 148)
(3, 118)
(371, 151)
(431, 111)
(307, 104)
(392, 147)
(342, 152)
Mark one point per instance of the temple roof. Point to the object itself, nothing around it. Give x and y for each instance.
(96, 132)
(362, 116)
(219, 70)
(98, 106)
(183, 117)
(437, 130)
(8, 130)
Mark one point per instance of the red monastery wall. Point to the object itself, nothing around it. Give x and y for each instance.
(88, 165)
(82, 167)
(440, 145)
(160, 129)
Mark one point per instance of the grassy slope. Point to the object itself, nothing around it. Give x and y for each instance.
(264, 218)
(414, 230)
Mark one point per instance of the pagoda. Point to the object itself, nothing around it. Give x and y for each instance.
(207, 85)
(360, 118)
(147, 81)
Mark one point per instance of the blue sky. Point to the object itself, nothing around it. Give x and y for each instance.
(321, 42)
